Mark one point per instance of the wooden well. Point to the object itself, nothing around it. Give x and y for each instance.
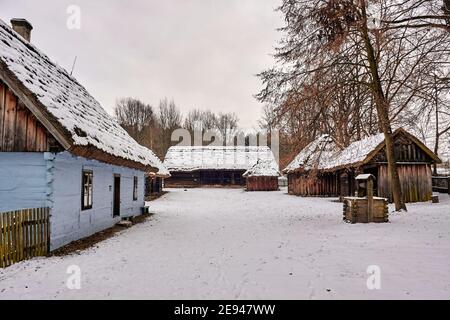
(365, 208)
(356, 210)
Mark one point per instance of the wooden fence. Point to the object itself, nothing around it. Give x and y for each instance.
(24, 234)
(441, 184)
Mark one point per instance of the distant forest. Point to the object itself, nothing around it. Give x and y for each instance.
(153, 127)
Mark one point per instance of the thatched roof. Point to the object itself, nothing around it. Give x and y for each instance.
(216, 158)
(67, 110)
(315, 155)
(263, 168)
(325, 155)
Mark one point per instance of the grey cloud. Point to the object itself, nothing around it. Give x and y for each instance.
(202, 53)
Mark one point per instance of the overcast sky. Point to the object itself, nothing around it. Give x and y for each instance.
(202, 53)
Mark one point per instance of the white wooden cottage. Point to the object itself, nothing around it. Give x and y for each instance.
(59, 149)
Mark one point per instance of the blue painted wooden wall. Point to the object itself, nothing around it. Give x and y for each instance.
(68, 222)
(23, 181)
(29, 180)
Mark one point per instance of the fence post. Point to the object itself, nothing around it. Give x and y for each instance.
(2, 252)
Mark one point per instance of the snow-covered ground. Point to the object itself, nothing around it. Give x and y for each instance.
(227, 243)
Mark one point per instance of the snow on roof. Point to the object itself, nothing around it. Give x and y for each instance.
(215, 158)
(83, 119)
(263, 168)
(324, 154)
(356, 151)
(321, 150)
(162, 170)
(364, 176)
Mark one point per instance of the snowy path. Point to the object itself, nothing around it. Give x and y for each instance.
(218, 243)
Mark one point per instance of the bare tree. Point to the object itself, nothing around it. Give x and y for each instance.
(138, 119)
(339, 55)
(170, 118)
(224, 123)
(227, 124)
(413, 14)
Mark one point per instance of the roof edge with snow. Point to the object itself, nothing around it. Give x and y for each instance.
(342, 160)
(195, 158)
(21, 62)
(263, 168)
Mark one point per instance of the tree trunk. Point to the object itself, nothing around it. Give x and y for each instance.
(382, 107)
(436, 114)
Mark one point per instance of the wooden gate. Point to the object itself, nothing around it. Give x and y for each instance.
(24, 234)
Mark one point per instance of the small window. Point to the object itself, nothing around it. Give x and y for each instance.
(86, 191)
(135, 188)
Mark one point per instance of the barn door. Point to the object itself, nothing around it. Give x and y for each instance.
(116, 197)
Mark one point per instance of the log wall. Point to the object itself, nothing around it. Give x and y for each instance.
(355, 210)
(20, 131)
(262, 183)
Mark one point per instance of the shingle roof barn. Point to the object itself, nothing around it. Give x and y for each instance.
(216, 158)
(65, 108)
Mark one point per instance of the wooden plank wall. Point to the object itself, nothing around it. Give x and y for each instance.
(183, 179)
(441, 184)
(262, 183)
(347, 182)
(304, 185)
(222, 177)
(415, 181)
(191, 179)
(355, 211)
(153, 185)
(20, 131)
(24, 234)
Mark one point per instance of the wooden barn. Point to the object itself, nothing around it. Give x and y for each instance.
(323, 168)
(67, 168)
(198, 166)
(263, 176)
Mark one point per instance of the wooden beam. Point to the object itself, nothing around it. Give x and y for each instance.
(9, 126)
(2, 111)
(92, 152)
